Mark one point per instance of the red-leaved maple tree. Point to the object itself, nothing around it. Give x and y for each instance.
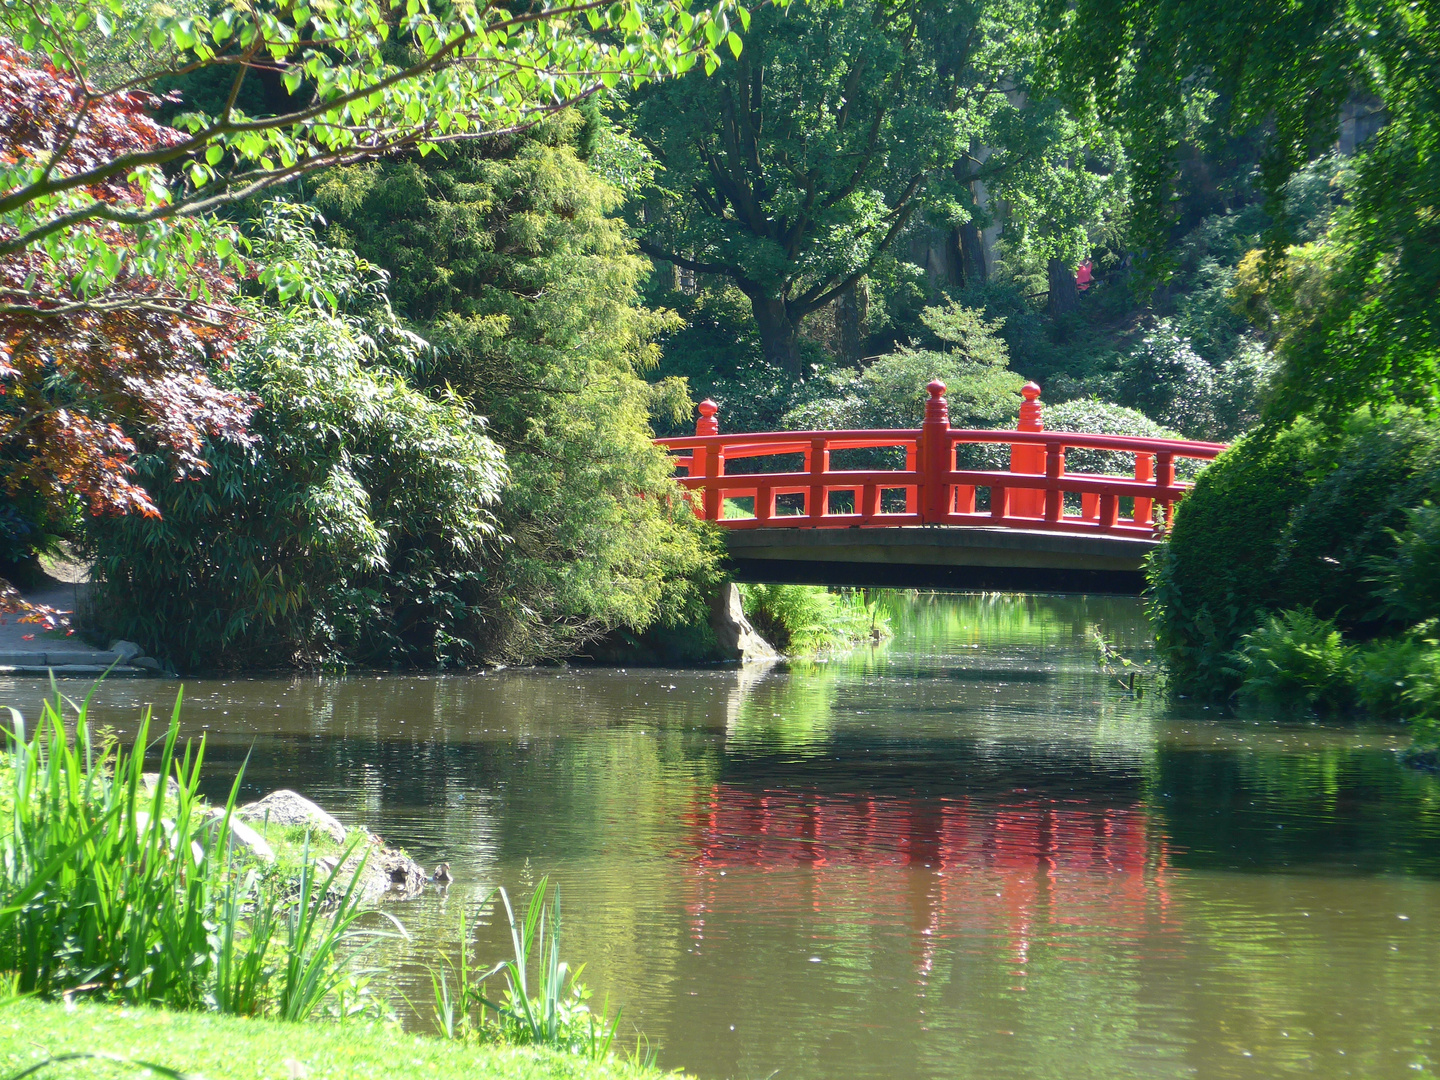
(90, 377)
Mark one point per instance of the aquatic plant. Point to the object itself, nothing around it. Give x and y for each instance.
(810, 619)
(126, 885)
(544, 1007)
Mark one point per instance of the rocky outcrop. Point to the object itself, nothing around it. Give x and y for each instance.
(386, 874)
(288, 809)
(735, 638)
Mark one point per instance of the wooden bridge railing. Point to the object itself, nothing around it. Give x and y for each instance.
(1034, 493)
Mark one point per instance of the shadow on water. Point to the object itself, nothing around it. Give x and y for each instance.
(967, 853)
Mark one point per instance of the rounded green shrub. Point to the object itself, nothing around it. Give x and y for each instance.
(1091, 416)
(1211, 581)
(1300, 518)
(1344, 532)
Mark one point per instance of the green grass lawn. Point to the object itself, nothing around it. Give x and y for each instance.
(223, 1048)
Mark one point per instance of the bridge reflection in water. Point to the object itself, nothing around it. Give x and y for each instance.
(997, 868)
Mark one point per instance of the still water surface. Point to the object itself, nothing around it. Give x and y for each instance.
(967, 853)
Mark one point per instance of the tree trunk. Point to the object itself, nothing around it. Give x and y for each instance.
(779, 334)
(972, 255)
(1063, 295)
(851, 308)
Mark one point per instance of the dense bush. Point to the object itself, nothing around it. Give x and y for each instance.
(1301, 518)
(355, 530)
(1210, 580)
(1165, 378)
(1093, 417)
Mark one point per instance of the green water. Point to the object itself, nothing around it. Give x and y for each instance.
(968, 853)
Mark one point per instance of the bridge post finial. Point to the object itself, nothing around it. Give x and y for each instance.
(1030, 409)
(937, 411)
(707, 424)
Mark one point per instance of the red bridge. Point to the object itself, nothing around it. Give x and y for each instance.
(1033, 526)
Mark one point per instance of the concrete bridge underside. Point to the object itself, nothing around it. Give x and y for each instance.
(941, 557)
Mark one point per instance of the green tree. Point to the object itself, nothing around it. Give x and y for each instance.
(509, 257)
(972, 362)
(1162, 70)
(794, 170)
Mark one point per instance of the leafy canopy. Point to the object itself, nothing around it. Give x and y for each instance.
(357, 78)
(794, 169)
(1165, 70)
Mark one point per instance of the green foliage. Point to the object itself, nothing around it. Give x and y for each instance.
(1382, 467)
(1208, 580)
(1092, 417)
(358, 527)
(113, 887)
(1385, 672)
(794, 171)
(1164, 377)
(807, 619)
(346, 79)
(1296, 658)
(1299, 519)
(544, 1000)
(1288, 71)
(1407, 583)
(890, 393)
(509, 258)
(1421, 695)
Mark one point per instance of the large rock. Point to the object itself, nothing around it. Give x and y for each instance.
(287, 808)
(244, 838)
(126, 651)
(734, 636)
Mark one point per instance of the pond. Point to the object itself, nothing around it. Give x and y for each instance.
(967, 853)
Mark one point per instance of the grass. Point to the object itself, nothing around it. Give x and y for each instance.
(231, 1048)
(547, 1009)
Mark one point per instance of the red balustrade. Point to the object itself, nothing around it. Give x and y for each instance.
(1031, 494)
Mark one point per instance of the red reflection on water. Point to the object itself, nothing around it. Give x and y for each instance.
(998, 866)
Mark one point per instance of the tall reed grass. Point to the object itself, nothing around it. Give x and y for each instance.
(127, 890)
(546, 1006)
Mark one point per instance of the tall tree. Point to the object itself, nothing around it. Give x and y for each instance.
(510, 256)
(794, 169)
(1369, 329)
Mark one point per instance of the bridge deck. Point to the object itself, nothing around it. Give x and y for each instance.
(937, 556)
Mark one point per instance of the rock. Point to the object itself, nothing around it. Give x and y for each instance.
(404, 874)
(287, 808)
(387, 873)
(244, 837)
(735, 637)
(149, 663)
(126, 650)
(149, 781)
